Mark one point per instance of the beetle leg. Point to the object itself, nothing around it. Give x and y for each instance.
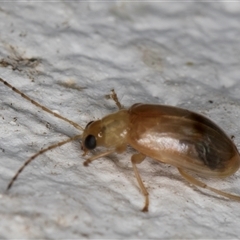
(121, 148)
(89, 160)
(114, 97)
(203, 185)
(136, 159)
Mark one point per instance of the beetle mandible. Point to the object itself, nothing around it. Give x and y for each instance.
(184, 139)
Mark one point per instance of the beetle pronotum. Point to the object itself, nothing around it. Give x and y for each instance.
(183, 139)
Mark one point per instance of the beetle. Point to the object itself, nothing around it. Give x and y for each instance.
(184, 139)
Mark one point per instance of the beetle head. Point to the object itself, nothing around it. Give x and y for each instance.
(92, 136)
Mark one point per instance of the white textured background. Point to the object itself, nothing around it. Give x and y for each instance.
(183, 54)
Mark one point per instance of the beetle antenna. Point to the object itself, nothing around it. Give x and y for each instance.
(41, 106)
(39, 153)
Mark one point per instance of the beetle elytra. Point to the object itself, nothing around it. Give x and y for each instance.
(184, 139)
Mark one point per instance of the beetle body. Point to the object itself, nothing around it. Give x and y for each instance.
(171, 135)
(181, 138)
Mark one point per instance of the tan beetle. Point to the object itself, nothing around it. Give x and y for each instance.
(181, 138)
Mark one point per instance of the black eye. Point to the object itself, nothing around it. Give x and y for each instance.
(90, 142)
(89, 124)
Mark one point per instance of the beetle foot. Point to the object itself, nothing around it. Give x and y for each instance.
(86, 163)
(145, 209)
